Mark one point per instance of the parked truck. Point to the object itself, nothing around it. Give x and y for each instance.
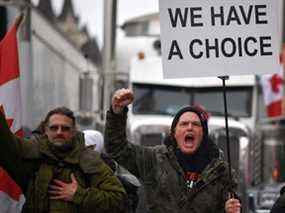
(139, 47)
(268, 164)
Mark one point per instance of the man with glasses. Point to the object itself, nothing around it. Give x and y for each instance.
(57, 172)
(186, 174)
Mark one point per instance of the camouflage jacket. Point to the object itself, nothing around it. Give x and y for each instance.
(163, 178)
(33, 166)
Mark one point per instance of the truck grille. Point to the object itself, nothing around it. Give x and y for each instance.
(151, 139)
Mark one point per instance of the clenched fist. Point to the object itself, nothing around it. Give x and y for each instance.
(120, 99)
(233, 206)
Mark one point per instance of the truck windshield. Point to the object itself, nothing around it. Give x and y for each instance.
(166, 100)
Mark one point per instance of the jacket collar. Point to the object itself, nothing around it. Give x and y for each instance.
(213, 170)
(72, 157)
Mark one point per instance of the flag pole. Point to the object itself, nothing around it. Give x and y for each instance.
(224, 78)
(19, 20)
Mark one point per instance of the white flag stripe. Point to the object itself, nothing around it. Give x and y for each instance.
(11, 100)
(269, 95)
(11, 197)
(8, 205)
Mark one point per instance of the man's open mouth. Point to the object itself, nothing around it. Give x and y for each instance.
(189, 139)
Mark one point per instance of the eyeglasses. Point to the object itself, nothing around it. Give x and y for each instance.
(64, 128)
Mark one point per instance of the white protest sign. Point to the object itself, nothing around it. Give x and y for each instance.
(202, 38)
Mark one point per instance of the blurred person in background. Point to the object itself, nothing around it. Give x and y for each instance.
(94, 138)
(131, 184)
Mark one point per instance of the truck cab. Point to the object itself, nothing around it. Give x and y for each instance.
(269, 164)
(139, 54)
(157, 100)
(155, 95)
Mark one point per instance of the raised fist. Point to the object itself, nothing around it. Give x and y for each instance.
(120, 99)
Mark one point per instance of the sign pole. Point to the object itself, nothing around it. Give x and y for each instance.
(224, 78)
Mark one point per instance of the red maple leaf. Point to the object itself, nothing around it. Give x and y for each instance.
(9, 120)
(276, 81)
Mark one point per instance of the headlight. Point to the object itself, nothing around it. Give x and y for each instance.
(243, 142)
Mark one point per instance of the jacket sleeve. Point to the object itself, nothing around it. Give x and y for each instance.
(137, 159)
(105, 194)
(10, 152)
(229, 186)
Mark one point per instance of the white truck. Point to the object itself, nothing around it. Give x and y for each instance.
(139, 55)
(157, 100)
(268, 164)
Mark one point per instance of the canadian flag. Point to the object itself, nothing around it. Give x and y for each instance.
(11, 196)
(272, 86)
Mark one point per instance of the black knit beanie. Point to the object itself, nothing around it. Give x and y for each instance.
(207, 150)
(202, 114)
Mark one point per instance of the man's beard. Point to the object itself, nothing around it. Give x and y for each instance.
(58, 142)
(61, 145)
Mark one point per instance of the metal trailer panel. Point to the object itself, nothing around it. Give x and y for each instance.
(51, 69)
(150, 71)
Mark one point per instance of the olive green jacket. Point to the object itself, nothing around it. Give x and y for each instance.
(162, 176)
(33, 166)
